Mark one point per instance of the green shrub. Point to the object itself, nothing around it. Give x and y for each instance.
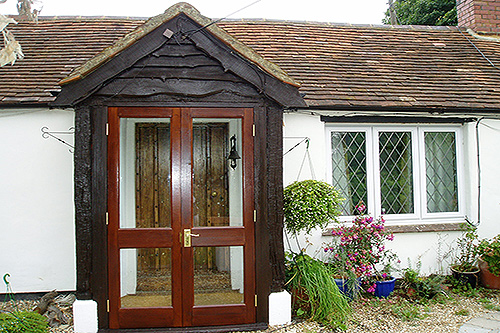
(489, 251)
(421, 287)
(310, 204)
(23, 322)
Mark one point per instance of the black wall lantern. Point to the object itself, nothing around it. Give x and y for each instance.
(233, 154)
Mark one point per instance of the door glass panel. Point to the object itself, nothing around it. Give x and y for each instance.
(145, 188)
(218, 275)
(145, 277)
(217, 185)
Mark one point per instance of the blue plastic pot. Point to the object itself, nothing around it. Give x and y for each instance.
(384, 288)
(347, 289)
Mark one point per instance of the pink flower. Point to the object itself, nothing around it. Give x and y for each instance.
(361, 207)
(372, 288)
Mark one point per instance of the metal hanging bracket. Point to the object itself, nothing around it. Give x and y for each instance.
(53, 134)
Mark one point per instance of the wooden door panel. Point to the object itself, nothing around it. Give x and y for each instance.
(219, 236)
(220, 315)
(146, 317)
(133, 238)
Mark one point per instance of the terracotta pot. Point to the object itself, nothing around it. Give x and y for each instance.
(488, 280)
(471, 278)
(300, 300)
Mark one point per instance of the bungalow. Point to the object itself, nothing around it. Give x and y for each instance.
(144, 161)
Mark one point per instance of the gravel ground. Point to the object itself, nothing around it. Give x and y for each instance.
(396, 314)
(29, 305)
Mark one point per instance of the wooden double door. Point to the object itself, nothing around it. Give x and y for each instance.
(180, 217)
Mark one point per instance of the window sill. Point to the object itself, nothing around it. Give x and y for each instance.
(414, 228)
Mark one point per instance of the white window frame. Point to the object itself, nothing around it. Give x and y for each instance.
(420, 214)
(460, 166)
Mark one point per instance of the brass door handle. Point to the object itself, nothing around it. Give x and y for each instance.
(187, 237)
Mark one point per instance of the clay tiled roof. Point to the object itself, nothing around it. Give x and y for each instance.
(362, 66)
(338, 66)
(53, 48)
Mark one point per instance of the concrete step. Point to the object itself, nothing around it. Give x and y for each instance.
(487, 323)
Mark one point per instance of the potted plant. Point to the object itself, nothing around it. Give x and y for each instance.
(347, 279)
(315, 295)
(360, 250)
(383, 286)
(464, 267)
(310, 204)
(416, 286)
(489, 262)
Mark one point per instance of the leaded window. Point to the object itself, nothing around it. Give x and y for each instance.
(408, 171)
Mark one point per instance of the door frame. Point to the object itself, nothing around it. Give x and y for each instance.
(182, 313)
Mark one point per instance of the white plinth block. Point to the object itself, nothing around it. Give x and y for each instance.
(280, 308)
(85, 316)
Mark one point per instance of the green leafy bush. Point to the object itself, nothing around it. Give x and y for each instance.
(489, 251)
(23, 322)
(310, 204)
(421, 287)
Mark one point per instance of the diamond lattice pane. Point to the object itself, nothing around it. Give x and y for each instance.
(396, 173)
(441, 172)
(349, 168)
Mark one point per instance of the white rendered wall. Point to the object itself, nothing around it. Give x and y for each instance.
(37, 238)
(489, 138)
(428, 247)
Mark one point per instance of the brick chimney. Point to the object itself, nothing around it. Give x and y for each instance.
(482, 16)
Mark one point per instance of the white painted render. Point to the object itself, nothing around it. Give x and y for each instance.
(489, 155)
(37, 238)
(428, 247)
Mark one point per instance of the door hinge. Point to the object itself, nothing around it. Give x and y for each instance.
(107, 218)
(107, 128)
(254, 216)
(253, 129)
(255, 300)
(107, 305)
